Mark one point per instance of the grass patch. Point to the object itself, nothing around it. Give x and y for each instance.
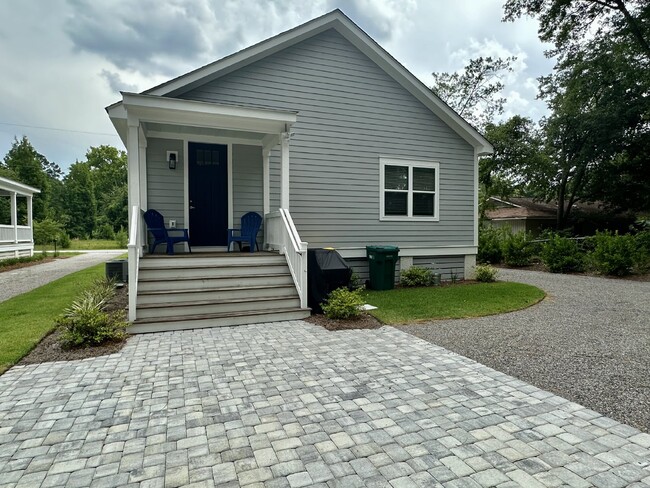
(403, 305)
(27, 318)
(83, 245)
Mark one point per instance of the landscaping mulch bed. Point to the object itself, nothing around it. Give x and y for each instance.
(365, 321)
(50, 350)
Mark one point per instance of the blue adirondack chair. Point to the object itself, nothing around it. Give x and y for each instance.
(250, 226)
(156, 225)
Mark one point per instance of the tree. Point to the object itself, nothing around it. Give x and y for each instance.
(570, 24)
(108, 167)
(519, 164)
(80, 204)
(475, 92)
(598, 133)
(26, 166)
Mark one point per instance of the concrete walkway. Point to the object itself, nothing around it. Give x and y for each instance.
(22, 280)
(289, 405)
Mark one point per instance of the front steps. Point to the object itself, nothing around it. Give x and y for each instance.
(191, 291)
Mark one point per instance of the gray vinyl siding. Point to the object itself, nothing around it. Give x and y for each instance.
(247, 184)
(165, 189)
(447, 266)
(350, 112)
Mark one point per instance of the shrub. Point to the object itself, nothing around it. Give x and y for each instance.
(642, 257)
(416, 276)
(122, 238)
(85, 323)
(516, 250)
(613, 254)
(46, 230)
(486, 273)
(5, 263)
(343, 304)
(105, 231)
(562, 255)
(489, 244)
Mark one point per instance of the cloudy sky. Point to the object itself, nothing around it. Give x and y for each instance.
(63, 61)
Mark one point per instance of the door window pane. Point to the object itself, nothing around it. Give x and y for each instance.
(395, 203)
(424, 179)
(423, 204)
(396, 178)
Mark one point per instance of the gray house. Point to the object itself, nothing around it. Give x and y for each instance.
(323, 133)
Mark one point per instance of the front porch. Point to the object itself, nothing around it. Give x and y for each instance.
(16, 226)
(203, 165)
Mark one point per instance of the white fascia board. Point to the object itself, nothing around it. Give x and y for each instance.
(360, 252)
(149, 108)
(505, 202)
(15, 186)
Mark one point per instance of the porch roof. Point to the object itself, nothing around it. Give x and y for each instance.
(8, 186)
(189, 113)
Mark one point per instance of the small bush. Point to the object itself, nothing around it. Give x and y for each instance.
(105, 231)
(47, 230)
(416, 276)
(486, 273)
(613, 254)
(562, 255)
(122, 238)
(516, 250)
(85, 323)
(343, 304)
(489, 244)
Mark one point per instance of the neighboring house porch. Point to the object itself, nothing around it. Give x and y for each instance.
(16, 227)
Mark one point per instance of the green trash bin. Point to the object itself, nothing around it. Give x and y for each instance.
(381, 263)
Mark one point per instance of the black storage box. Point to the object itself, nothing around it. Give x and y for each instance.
(327, 271)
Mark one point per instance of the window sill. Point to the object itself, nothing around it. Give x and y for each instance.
(395, 218)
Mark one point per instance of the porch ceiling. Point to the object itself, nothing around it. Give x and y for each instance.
(135, 109)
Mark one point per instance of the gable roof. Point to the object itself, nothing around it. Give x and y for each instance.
(338, 21)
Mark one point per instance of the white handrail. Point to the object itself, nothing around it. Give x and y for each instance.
(135, 250)
(283, 236)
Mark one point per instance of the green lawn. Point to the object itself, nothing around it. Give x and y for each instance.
(82, 245)
(27, 318)
(403, 305)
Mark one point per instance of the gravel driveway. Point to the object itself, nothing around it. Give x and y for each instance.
(22, 280)
(588, 341)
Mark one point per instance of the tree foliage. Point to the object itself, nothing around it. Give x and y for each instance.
(597, 136)
(475, 92)
(80, 203)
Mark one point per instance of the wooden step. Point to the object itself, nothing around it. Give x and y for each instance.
(177, 296)
(224, 259)
(206, 307)
(217, 320)
(164, 284)
(204, 272)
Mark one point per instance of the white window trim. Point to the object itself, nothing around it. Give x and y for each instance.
(410, 164)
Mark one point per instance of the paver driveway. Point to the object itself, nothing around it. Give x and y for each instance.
(291, 404)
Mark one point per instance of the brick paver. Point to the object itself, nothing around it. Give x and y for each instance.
(291, 404)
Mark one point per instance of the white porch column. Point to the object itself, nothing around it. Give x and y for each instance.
(266, 178)
(284, 171)
(133, 153)
(30, 219)
(14, 219)
(142, 175)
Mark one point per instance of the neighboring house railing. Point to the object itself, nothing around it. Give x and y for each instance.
(135, 252)
(21, 233)
(281, 234)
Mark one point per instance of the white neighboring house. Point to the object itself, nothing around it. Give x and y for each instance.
(16, 240)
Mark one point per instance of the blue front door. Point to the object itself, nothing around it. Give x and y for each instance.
(208, 192)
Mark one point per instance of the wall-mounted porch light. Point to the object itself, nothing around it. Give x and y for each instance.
(172, 159)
